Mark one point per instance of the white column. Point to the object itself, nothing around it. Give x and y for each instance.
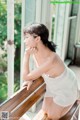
(38, 10)
(66, 31)
(59, 27)
(44, 11)
(49, 18)
(10, 47)
(77, 37)
(22, 40)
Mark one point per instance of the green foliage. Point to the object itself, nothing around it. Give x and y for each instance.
(17, 27)
(3, 24)
(17, 33)
(3, 87)
(17, 30)
(53, 23)
(3, 64)
(16, 84)
(17, 42)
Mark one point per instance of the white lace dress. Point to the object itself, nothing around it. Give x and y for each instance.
(63, 89)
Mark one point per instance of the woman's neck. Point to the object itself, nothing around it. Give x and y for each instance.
(42, 54)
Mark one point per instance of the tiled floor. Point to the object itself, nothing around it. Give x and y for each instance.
(76, 69)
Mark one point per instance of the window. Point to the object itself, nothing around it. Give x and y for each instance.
(53, 20)
(30, 9)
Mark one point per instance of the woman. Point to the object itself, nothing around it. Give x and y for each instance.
(61, 83)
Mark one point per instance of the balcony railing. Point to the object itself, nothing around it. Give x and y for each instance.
(21, 101)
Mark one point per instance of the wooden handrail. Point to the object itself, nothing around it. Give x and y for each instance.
(20, 96)
(22, 100)
(26, 105)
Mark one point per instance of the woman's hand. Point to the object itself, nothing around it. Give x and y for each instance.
(30, 50)
(27, 84)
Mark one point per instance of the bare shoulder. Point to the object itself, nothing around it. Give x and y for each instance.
(53, 57)
(49, 60)
(58, 63)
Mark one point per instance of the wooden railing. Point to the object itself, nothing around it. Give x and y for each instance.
(22, 101)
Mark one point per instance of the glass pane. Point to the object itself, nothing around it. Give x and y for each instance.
(74, 9)
(53, 20)
(30, 11)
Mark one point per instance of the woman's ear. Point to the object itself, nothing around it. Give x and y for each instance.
(38, 39)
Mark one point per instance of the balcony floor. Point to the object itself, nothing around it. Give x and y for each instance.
(76, 69)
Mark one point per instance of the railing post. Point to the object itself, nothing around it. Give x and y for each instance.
(10, 46)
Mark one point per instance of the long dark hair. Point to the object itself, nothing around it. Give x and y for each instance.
(42, 31)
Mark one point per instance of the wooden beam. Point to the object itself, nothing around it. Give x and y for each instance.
(27, 104)
(19, 96)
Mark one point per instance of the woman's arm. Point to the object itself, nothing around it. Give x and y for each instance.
(26, 59)
(39, 71)
(28, 76)
(25, 65)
